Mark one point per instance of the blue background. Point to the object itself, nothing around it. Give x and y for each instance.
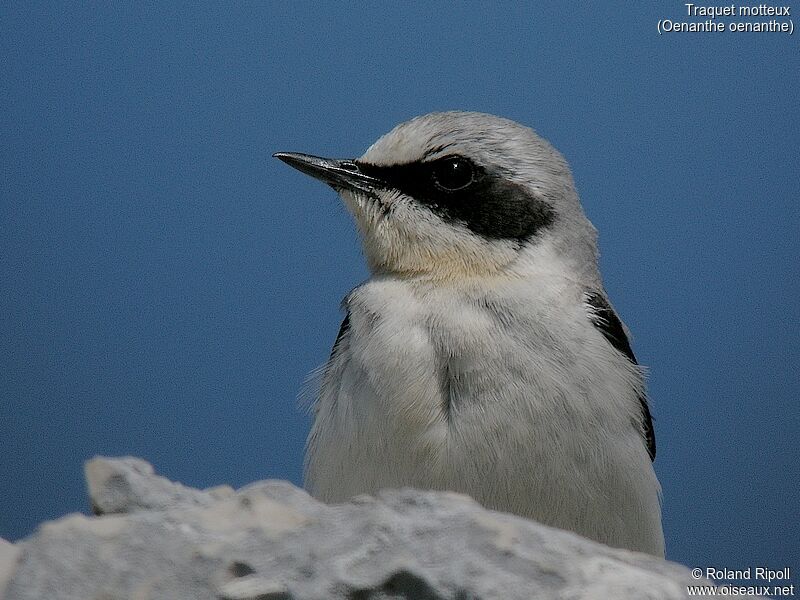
(166, 285)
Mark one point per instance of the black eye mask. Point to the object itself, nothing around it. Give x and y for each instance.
(459, 191)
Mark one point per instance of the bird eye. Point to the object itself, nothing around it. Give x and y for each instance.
(453, 173)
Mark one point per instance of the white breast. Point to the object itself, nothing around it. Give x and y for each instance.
(507, 394)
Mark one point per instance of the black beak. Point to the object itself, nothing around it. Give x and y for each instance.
(339, 174)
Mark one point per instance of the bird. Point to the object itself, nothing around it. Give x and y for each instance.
(482, 355)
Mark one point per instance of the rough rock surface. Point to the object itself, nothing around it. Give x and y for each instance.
(271, 541)
(128, 484)
(8, 560)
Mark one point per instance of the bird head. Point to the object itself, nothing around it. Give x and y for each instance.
(459, 194)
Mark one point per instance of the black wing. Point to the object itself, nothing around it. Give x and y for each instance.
(343, 330)
(606, 320)
(327, 370)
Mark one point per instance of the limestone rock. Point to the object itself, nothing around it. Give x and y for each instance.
(8, 560)
(271, 540)
(128, 484)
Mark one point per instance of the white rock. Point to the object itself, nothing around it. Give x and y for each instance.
(124, 485)
(8, 559)
(272, 541)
